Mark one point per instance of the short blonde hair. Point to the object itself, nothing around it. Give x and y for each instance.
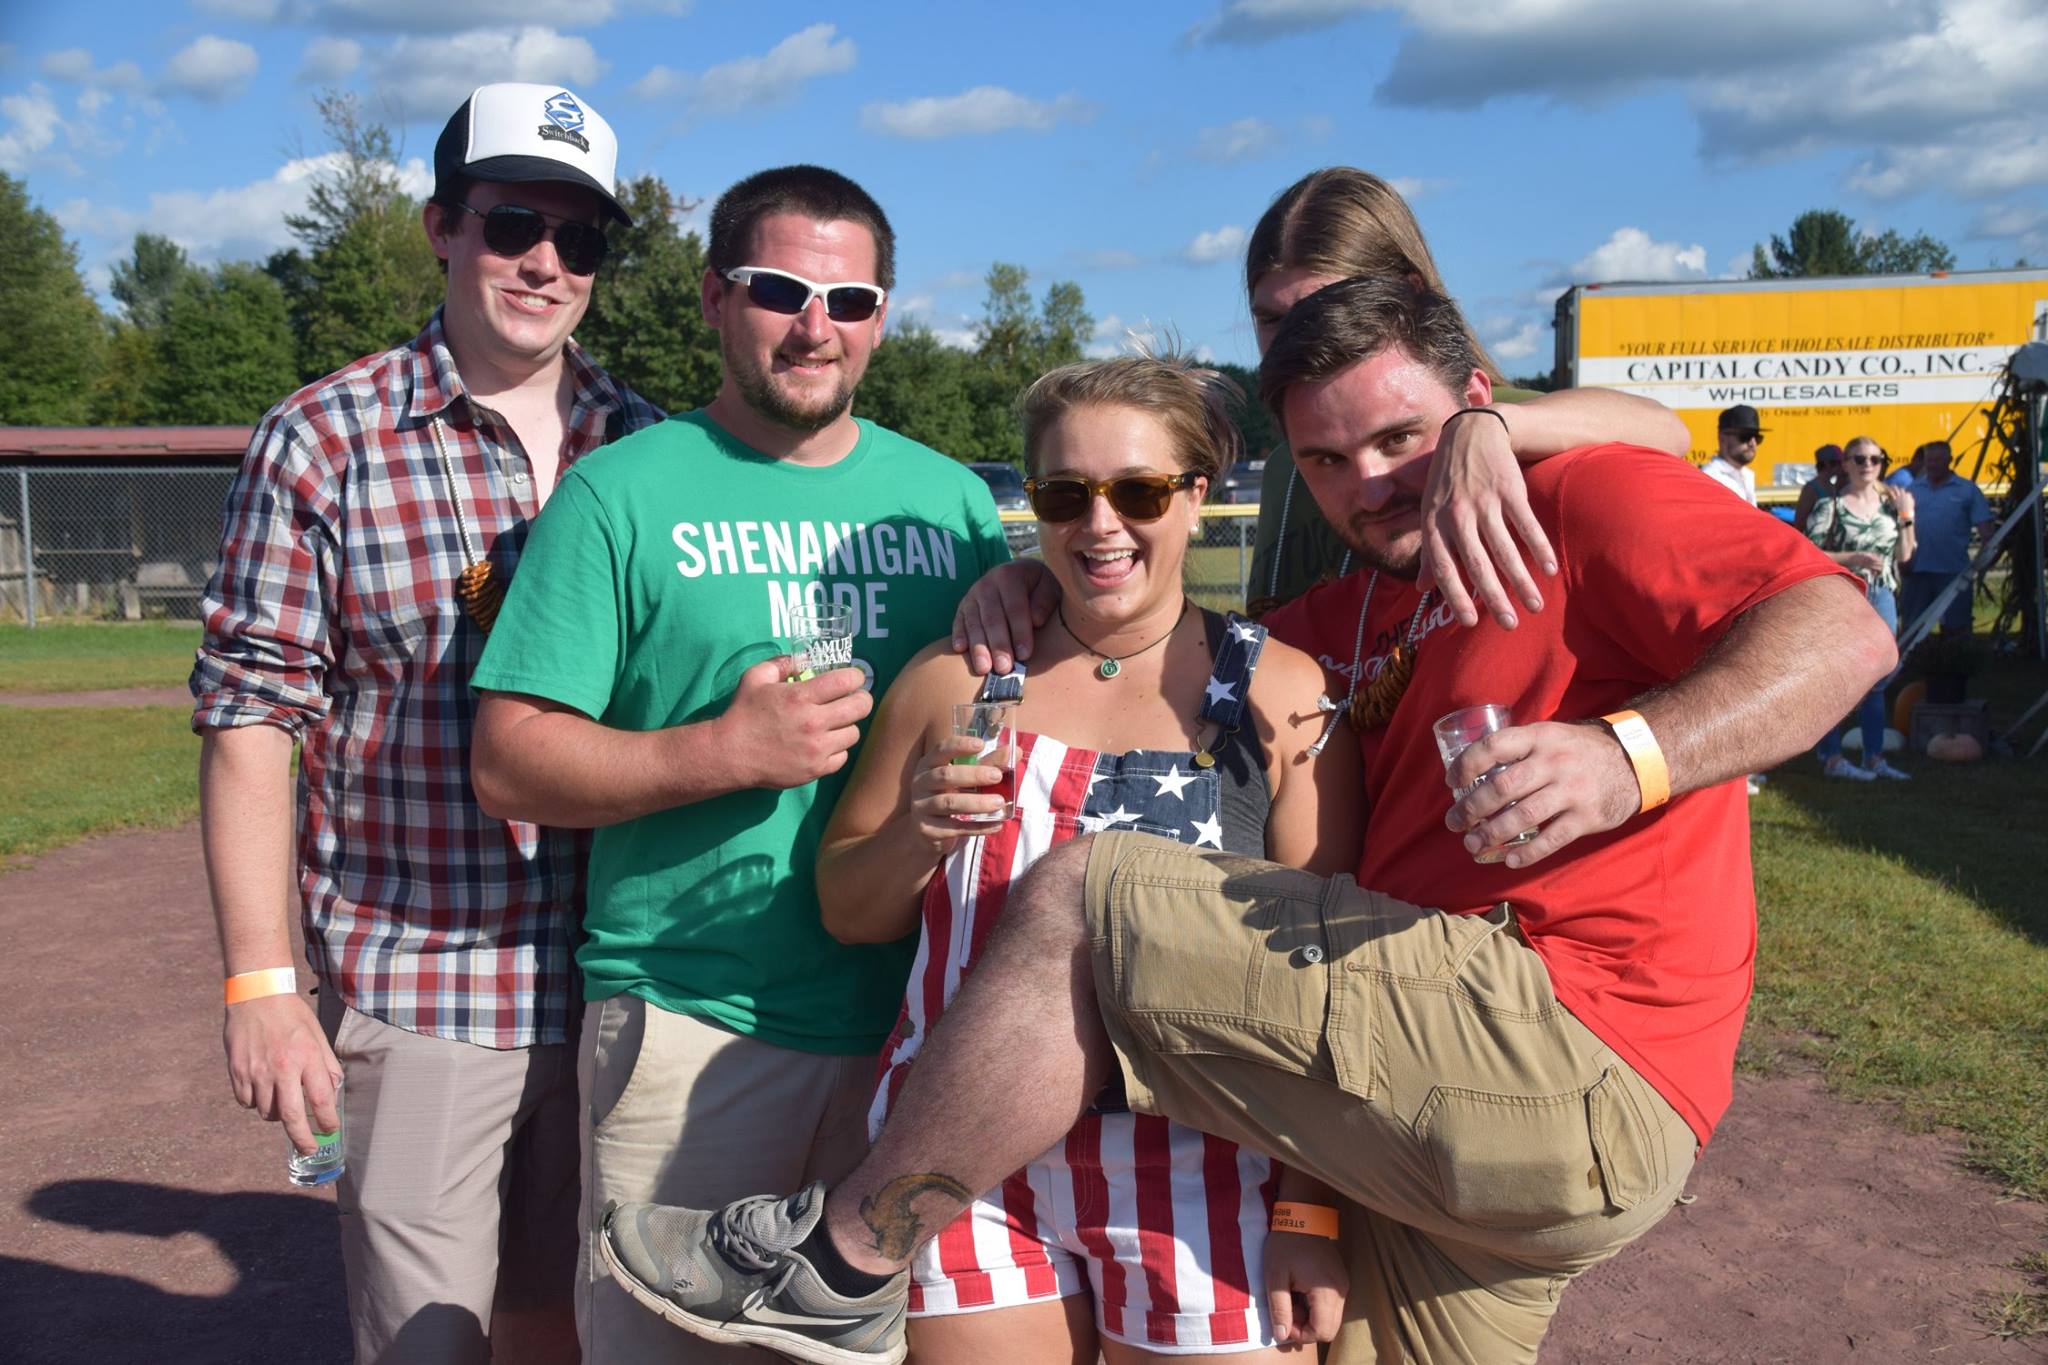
(1189, 400)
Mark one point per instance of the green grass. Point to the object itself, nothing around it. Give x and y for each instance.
(2021, 1312)
(1904, 940)
(74, 772)
(79, 656)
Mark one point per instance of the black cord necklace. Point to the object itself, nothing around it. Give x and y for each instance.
(1112, 664)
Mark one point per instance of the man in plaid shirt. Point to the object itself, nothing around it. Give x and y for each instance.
(367, 538)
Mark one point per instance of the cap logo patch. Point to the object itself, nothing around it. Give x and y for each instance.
(565, 121)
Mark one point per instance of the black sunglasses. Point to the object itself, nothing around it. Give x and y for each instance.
(514, 230)
(1134, 497)
(1865, 459)
(781, 292)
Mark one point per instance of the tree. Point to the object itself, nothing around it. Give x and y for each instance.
(1254, 424)
(918, 385)
(1015, 343)
(1888, 253)
(58, 331)
(645, 324)
(224, 350)
(124, 393)
(1826, 242)
(371, 288)
(143, 284)
(365, 278)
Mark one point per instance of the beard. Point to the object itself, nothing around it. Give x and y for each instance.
(1368, 541)
(758, 388)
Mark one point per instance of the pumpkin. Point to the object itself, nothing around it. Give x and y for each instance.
(1955, 748)
(1902, 709)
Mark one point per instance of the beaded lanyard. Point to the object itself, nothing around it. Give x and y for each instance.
(1375, 705)
(478, 587)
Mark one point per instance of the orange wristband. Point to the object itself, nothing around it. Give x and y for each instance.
(1311, 1220)
(255, 985)
(1653, 774)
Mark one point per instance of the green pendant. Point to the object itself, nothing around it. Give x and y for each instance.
(1108, 668)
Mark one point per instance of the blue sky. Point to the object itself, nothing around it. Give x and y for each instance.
(1126, 146)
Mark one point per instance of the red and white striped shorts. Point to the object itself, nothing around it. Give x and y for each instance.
(1168, 1224)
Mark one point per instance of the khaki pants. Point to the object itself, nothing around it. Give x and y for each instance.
(459, 1194)
(1417, 1062)
(681, 1111)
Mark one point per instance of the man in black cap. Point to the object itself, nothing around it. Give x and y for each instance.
(368, 537)
(1740, 434)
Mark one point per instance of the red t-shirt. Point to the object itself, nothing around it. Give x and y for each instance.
(1648, 930)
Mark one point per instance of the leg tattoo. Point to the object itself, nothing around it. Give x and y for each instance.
(891, 1214)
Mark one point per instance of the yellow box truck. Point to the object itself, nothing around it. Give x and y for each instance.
(1901, 358)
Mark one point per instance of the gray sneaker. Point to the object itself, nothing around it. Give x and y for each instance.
(734, 1276)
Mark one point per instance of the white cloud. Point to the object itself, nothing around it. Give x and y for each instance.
(1242, 140)
(252, 11)
(1243, 23)
(330, 59)
(426, 78)
(1584, 50)
(1630, 253)
(1931, 93)
(1221, 244)
(1113, 337)
(210, 68)
(2009, 220)
(1509, 342)
(1414, 187)
(236, 222)
(984, 109)
(452, 16)
(73, 66)
(31, 126)
(1987, 160)
(775, 77)
(1111, 258)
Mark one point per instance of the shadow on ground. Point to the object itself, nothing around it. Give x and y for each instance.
(286, 1302)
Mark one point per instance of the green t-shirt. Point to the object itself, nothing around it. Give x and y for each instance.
(664, 566)
(1295, 547)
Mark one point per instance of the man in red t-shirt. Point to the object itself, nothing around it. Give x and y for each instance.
(1508, 1067)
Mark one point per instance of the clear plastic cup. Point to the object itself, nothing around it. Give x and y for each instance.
(820, 639)
(990, 723)
(1459, 731)
(325, 1164)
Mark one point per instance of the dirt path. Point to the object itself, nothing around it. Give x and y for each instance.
(111, 696)
(141, 1213)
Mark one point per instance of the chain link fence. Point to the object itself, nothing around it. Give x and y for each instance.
(132, 542)
(1219, 564)
(113, 542)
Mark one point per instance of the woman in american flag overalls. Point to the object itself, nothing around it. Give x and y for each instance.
(1140, 712)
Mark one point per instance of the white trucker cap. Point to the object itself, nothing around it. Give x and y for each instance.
(516, 132)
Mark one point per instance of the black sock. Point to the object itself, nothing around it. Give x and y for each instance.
(841, 1278)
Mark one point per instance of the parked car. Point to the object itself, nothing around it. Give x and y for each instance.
(1006, 485)
(1241, 484)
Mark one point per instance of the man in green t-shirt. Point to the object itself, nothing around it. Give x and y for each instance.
(639, 682)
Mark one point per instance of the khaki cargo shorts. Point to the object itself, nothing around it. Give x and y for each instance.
(1417, 1062)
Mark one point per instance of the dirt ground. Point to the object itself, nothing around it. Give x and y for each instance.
(142, 1214)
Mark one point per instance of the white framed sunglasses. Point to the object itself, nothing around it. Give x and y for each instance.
(781, 292)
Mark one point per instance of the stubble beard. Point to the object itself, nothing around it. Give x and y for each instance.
(758, 389)
(1399, 559)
